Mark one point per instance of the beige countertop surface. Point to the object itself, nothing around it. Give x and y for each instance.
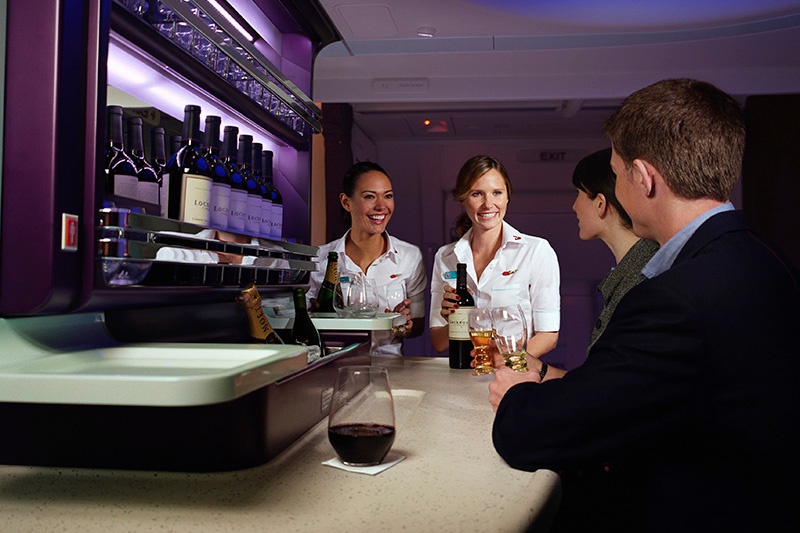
(451, 479)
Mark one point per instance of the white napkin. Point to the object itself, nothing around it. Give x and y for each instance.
(389, 461)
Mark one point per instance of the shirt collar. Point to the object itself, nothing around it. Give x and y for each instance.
(665, 256)
(391, 248)
(510, 236)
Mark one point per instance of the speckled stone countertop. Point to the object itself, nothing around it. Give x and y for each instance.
(452, 480)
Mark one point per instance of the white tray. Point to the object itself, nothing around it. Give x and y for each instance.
(149, 374)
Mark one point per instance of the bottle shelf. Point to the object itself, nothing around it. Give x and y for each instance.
(135, 249)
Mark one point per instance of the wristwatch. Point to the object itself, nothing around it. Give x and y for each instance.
(543, 371)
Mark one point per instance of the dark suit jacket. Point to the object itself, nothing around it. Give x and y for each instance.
(691, 398)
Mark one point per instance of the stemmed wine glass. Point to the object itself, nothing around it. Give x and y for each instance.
(361, 423)
(480, 332)
(511, 336)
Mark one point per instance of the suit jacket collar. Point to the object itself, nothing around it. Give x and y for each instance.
(712, 229)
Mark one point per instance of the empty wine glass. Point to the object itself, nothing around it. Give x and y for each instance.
(361, 423)
(339, 296)
(511, 336)
(362, 297)
(480, 332)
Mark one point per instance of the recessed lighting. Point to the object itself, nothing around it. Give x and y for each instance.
(426, 31)
(426, 122)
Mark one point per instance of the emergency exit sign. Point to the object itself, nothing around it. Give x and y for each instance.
(550, 155)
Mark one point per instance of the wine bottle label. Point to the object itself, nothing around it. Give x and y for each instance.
(458, 324)
(164, 194)
(195, 195)
(265, 229)
(252, 223)
(126, 185)
(277, 221)
(220, 205)
(238, 210)
(149, 192)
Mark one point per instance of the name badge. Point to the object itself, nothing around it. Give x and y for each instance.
(450, 275)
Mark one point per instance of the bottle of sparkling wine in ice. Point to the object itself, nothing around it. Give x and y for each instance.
(303, 331)
(238, 203)
(147, 187)
(189, 176)
(458, 322)
(328, 288)
(277, 199)
(257, 322)
(220, 184)
(120, 172)
(158, 159)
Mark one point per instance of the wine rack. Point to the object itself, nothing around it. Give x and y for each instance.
(135, 249)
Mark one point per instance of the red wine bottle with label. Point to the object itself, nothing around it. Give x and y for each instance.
(238, 203)
(147, 187)
(458, 322)
(120, 172)
(220, 185)
(189, 176)
(266, 200)
(252, 222)
(277, 200)
(158, 159)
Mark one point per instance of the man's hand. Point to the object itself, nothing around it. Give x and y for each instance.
(504, 379)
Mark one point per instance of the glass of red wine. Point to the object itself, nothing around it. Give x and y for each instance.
(361, 422)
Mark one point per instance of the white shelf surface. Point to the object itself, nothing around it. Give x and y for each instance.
(159, 374)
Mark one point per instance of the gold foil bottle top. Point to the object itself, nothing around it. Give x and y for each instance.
(257, 322)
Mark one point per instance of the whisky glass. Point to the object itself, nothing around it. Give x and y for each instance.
(511, 336)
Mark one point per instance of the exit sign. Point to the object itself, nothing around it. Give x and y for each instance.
(551, 155)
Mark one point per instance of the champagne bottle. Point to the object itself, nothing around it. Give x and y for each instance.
(147, 186)
(458, 322)
(189, 176)
(277, 199)
(158, 159)
(258, 323)
(252, 222)
(238, 203)
(220, 184)
(120, 172)
(303, 330)
(266, 199)
(328, 288)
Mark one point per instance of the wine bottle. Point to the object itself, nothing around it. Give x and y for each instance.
(238, 203)
(303, 330)
(120, 172)
(158, 159)
(458, 322)
(257, 322)
(147, 186)
(252, 222)
(189, 176)
(277, 199)
(328, 288)
(220, 184)
(266, 199)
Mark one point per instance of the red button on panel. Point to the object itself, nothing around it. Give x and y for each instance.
(69, 232)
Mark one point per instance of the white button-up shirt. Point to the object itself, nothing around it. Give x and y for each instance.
(401, 262)
(524, 271)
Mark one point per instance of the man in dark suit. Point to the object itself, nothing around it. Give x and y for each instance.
(686, 414)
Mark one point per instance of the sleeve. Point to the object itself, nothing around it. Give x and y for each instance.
(544, 289)
(639, 387)
(437, 287)
(415, 285)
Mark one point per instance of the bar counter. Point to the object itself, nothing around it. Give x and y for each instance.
(451, 479)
